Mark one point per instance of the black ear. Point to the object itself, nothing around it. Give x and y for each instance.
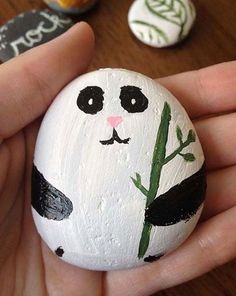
(47, 200)
(181, 202)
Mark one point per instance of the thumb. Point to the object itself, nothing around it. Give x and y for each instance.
(30, 82)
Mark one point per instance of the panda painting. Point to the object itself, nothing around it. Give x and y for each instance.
(118, 176)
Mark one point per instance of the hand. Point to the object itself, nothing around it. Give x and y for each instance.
(209, 97)
(28, 84)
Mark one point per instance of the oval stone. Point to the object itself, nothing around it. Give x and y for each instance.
(161, 23)
(118, 175)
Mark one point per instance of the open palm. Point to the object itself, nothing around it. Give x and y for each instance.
(28, 84)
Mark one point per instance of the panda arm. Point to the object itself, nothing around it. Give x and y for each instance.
(48, 201)
(181, 202)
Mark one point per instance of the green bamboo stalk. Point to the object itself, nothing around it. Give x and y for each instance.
(159, 154)
(159, 159)
(157, 164)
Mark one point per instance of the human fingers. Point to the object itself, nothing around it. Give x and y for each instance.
(218, 138)
(65, 279)
(221, 192)
(207, 91)
(211, 245)
(29, 83)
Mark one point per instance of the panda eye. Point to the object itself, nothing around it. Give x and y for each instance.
(132, 99)
(90, 99)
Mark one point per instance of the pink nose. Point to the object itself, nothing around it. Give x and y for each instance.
(114, 121)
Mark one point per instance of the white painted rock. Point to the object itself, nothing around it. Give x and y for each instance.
(118, 177)
(161, 23)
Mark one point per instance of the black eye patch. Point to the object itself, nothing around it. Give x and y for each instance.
(132, 99)
(90, 99)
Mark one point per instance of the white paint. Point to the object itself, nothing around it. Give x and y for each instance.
(34, 36)
(104, 229)
(139, 11)
(3, 28)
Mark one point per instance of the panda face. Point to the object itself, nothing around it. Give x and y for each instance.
(130, 99)
(90, 101)
(106, 165)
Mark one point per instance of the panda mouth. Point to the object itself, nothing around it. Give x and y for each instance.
(115, 138)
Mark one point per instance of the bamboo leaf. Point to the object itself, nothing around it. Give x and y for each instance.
(134, 181)
(138, 177)
(179, 134)
(138, 183)
(188, 157)
(191, 136)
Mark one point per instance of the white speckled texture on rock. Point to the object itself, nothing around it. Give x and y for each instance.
(161, 23)
(103, 231)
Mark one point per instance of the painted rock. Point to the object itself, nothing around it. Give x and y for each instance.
(71, 6)
(118, 175)
(30, 29)
(161, 23)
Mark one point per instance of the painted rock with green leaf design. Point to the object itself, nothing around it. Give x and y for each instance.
(161, 23)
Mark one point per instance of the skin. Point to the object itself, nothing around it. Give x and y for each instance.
(27, 266)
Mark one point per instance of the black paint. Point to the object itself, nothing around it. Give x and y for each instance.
(153, 258)
(30, 29)
(132, 99)
(47, 200)
(90, 99)
(115, 138)
(59, 252)
(181, 202)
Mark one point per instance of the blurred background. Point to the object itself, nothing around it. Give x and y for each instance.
(212, 40)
